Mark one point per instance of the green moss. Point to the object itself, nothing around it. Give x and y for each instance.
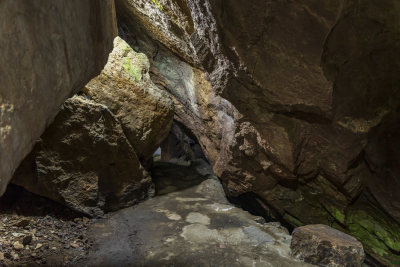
(133, 71)
(377, 231)
(158, 5)
(338, 215)
(381, 229)
(292, 220)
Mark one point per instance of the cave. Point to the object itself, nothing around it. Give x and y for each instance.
(199, 133)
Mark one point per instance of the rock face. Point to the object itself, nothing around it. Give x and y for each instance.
(125, 87)
(294, 101)
(324, 246)
(48, 51)
(84, 161)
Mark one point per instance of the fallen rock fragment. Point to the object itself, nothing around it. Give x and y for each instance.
(22, 223)
(325, 246)
(17, 245)
(74, 245)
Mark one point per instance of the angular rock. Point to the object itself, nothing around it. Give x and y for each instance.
(49, 50)
(84, 161)
(125, 87)
(325, 246)
(17, 245)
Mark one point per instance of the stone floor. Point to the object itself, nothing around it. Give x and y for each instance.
(195, 226)
(189, 223)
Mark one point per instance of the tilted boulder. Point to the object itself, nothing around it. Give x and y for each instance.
(324, 246)
(124, 86)
(84, 160)
(49, 50)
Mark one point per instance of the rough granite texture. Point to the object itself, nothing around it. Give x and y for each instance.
(324, 246)
(48, 50)
(294, 101)
(85, 161)
(125, 87)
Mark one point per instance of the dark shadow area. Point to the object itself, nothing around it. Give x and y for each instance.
(170, 177)
(255, 205)
(16, 200)
(179, 162)
(181, 145)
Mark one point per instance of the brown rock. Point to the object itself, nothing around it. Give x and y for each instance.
(85, 161)
(74, 245)
(324, 246)
(17, 245)
(23, 223)
(49, 50)
(125, 87)
(295, 103)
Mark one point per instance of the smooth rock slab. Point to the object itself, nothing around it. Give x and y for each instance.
(322, 245)
(196, 226)
(48, 50)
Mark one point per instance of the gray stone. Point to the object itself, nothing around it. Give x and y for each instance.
(324, 246)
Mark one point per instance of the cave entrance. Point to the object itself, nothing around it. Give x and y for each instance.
(179, 162)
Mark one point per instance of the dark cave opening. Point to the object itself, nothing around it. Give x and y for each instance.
(179, 162)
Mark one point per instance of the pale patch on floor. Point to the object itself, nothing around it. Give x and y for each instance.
(170, 214)
(195, 217)
(198, 233)
(221, 207)
(190, 199)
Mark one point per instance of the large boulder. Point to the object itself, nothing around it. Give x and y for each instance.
(84, 160)
(124, 86)
(324, 246)
(296, 102)
(49, 49)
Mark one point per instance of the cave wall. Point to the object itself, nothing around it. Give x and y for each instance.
(294, 101)
(49, 50)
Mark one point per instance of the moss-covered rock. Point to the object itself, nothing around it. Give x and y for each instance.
(124, 86)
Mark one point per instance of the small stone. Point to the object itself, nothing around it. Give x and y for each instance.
(259, 220)
(17, 234)
(15, 256)
(27, 240)
(85, 220)
(17, 245)
(324, 246)
(1, 256)
(38, 245)
(54, 248)
(23, 223)
(74, 245)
